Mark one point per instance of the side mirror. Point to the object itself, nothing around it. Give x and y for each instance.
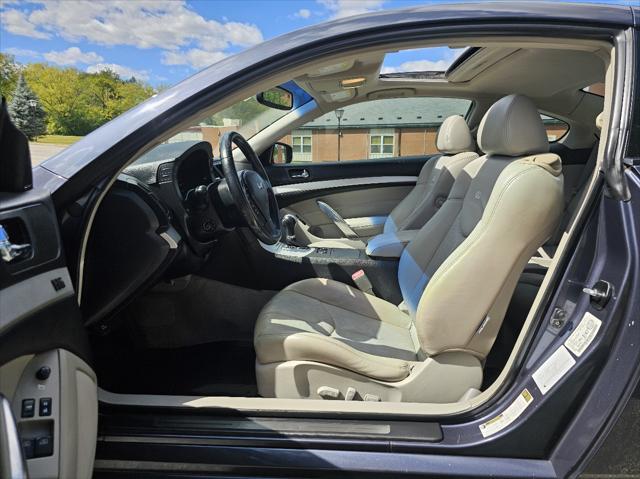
(281, 153)
(277, 98)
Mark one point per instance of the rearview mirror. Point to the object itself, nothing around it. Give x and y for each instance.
(277, 97)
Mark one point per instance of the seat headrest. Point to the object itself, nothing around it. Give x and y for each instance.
(600, 120)
(454, 136)
(512, 127)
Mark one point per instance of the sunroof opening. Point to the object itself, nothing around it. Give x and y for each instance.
(420, 60)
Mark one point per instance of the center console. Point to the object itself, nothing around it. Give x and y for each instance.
(289, 263)
(299, 254)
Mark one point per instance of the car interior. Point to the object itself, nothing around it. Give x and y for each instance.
(234, 260)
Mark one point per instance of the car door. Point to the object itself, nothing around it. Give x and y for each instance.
(357, 163)
(48, 391)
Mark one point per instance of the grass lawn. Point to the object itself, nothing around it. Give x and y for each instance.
(58, 139)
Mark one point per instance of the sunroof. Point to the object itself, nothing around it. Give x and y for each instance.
(434, 59)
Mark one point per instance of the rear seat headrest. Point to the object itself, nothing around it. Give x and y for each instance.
(454, 136)
(512, 127)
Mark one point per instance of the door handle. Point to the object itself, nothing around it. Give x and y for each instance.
(12, 462)
(299, 173)
(10, 251)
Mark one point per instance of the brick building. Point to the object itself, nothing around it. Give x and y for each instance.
(375, 129)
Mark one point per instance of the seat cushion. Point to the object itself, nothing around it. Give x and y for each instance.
(332, 323)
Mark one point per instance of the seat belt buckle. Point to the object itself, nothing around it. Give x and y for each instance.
(362, 282)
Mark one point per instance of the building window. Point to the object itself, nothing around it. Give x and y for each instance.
(301, 143)
(381, 143)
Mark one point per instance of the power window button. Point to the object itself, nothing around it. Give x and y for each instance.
(44, 446)
(28, 448)
(28, 407)
(45, 407)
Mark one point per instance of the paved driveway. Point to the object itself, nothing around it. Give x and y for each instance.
(42, 151)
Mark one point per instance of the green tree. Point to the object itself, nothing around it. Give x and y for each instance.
(64, 98)
(9, 73)
(77, 103)
(26, 111)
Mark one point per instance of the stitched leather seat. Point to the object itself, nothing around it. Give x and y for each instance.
(434, 182)
(457, 275)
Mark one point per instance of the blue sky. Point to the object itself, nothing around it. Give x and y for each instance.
(166, 41)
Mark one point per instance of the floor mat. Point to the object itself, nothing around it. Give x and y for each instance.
(212, 369)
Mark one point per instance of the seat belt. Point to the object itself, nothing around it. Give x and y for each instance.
(362, 282)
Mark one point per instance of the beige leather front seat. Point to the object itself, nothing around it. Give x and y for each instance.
(321, 338)
(434, 182)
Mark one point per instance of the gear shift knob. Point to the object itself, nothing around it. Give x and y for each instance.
(289, 228)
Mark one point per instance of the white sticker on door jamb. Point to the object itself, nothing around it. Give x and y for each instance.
(513, 412)
(552, 370)
(583, 335)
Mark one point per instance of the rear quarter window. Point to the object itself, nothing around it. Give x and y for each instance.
(556, 129)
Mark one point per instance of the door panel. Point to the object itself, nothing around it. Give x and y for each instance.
(51, 391)
(363, 193)
(53, 394)
(364, 210)
(387, 167)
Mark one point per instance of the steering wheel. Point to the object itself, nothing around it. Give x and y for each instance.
(250, 189)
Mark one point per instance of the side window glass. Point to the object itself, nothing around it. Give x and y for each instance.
(556, 129)
(377, 129)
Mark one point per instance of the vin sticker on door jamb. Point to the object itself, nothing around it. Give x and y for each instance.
(509, 415)
(552, 370)
(583, 335)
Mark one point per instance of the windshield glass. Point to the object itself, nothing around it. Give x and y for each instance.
(247, 117)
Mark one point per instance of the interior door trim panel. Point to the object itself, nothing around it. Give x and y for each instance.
(298, 188)
(27, 297)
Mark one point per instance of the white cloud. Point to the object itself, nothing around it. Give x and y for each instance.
(303, 13)
(347, 8)
(71, 56)
(195, 58)
(22, 52)
(169, 25)
(122, 71)
(439, 65)
(419, 66)
(16, 22)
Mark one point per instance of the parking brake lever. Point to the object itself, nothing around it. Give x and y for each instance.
(338, 220)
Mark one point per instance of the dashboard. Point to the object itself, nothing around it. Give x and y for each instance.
(192, 171)
(163, 202)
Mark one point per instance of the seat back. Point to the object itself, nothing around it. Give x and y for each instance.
(455, 142)
(458, 274)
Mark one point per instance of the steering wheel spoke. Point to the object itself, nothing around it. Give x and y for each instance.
(250, 189)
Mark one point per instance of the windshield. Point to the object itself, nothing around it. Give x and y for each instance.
(247, 117)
